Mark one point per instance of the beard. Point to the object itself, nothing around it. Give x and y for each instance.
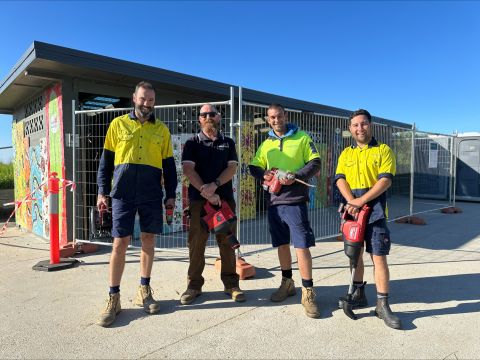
(144, 111)
(211, 127)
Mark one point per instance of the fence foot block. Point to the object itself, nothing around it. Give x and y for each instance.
(85, 248)
(244, 269)
(64, 263)
(67, 250)
(451, 210)
(413, 220)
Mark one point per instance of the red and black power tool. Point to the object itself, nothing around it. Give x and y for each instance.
(169, 214)
(100, 223)
(274, 185)
(353, 233)
(220, 220)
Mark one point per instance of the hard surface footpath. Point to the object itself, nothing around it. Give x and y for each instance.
(435, 290)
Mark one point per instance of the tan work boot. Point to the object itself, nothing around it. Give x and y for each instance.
(144, 298)
(189, 295)
(236, 293)
(287, 288)
(309, 304)
(111, 310)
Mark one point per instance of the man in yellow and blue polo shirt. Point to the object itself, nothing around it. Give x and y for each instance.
(292, 150)
(364, 173)
(137, 154)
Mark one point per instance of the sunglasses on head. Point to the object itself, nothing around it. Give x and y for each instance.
(209, 113)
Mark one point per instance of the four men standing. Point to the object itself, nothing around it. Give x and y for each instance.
(138, 153)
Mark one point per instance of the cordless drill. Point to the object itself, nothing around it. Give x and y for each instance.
(274, 185)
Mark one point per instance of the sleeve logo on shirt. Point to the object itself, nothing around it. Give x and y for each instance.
(313, 148)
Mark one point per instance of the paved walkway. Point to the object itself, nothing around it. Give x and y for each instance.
(434, 286)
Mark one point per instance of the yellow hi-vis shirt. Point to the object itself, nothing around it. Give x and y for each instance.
(363, 167)
(137, 156)
(136, 143)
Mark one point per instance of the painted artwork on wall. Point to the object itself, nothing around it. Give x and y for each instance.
(38, 176)
(55, 150)
(35, 154)
(247, 182)
(21, 170)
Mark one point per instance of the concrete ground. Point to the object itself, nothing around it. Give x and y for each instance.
(434, 289)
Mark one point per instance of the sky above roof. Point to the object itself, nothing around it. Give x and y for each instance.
(411, 61)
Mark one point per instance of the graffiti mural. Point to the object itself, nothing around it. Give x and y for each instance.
(248, 186)
(56, 163)
(21, 170)
(38, 176)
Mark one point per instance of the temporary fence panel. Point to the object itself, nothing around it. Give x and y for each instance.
(90, 131)
(433, 172)
(468, 169)
(330, 135)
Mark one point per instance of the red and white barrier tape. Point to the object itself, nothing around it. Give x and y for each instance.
(29, 198)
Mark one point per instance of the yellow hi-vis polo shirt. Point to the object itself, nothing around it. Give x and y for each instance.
(137, 154)
(136, 143)
(363, 167)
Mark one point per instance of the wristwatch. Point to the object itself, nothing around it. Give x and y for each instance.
(217, 182)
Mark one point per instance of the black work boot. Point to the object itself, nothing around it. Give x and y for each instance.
(384, 312)
(359, 300)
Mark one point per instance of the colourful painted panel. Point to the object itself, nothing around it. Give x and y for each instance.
(21, 170)
(247, 189)
(38, 176)
(54, 122)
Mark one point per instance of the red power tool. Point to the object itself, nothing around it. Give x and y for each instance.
(169, 214)
(220, 220)
(273, 185)
(353, 233)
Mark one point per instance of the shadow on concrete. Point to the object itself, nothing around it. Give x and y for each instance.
(429, 290)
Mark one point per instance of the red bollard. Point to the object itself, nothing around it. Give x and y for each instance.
(53, 210)
(55, 263)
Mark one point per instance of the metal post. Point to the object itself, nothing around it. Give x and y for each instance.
(74, 174)
(455, 159)
(232, 111)
(412, 169)
(450, 182)
(238, 199)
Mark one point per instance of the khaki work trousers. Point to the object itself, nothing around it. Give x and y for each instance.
(197, 241)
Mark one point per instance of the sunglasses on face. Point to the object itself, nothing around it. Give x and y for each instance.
(210, 113)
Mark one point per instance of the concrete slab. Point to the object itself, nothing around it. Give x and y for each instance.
(434, 289)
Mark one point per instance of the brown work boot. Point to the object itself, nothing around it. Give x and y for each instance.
(236, 293)
(287, 288)
(113, 307)
(189, 295)
(144, 298)
(309, 304)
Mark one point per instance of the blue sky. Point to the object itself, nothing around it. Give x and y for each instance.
(406, 61)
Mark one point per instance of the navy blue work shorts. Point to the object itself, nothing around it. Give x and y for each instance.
(123, 217)
(377, 238)
(290, 222)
